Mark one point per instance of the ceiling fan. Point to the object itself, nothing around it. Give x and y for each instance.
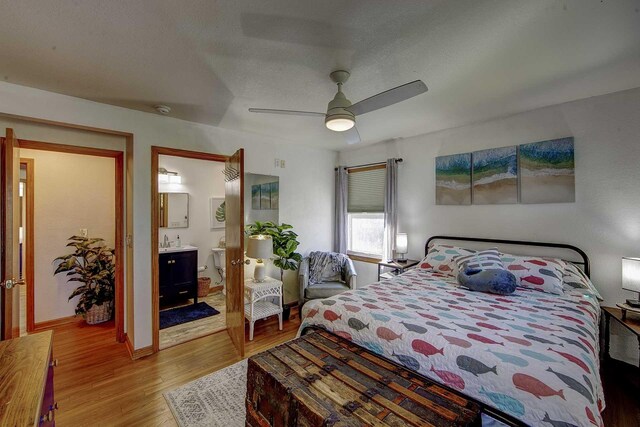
(341, 113)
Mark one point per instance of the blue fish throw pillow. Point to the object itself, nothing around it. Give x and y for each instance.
(494, 281)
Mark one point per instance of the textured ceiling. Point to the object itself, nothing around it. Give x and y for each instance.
(211, 60)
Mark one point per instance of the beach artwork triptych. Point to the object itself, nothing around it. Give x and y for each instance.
(539, 172)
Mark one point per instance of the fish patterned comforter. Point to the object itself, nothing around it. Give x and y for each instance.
(530, 354)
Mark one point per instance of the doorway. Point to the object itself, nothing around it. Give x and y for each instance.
(191, 289)
(66, 191)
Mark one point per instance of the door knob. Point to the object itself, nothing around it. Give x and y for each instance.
(10, 283)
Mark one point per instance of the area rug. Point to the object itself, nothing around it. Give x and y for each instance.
(188, 313)
(214, 400)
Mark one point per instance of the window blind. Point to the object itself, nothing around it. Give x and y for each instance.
(366, 190)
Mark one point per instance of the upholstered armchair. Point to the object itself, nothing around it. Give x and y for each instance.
(324, 289)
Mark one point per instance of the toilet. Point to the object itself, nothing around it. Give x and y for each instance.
(219, 261)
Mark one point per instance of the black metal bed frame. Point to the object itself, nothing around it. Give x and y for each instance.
(496, 414)
(585, 263)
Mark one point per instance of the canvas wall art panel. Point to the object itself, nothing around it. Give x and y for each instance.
(255, 197)
(495, 176)
(547, 172)
(217, 212)
(453, 179)
(275, 195)
(265, 196)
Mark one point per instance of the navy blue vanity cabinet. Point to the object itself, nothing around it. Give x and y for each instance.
(178, 276)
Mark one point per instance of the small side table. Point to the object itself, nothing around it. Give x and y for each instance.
(397, 267)
(629, 321)
(258, 304)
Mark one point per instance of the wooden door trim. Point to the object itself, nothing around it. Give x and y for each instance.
(155, 297)
(29, 239)
(118, 156)
(8, 330)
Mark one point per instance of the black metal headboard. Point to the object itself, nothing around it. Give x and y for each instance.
(586, 267)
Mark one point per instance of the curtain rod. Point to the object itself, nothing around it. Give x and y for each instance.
(369, 164)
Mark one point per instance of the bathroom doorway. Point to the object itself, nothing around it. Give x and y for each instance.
(189, 266)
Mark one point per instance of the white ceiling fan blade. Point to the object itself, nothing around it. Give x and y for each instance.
(352, 136)
(389, 97)
(286, 112)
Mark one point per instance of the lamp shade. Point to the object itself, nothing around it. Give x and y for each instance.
(402, 243)
(259, 246)
(631, 274)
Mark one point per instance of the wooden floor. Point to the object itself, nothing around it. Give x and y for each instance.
(198, 328)
(97, 384)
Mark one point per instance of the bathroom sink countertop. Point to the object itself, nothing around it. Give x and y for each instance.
(178, 249)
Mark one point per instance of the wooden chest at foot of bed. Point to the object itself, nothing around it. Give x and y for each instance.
(321, 379)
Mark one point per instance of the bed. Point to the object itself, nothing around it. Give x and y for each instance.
(529, 357)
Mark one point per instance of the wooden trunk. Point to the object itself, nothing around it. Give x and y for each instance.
(321, 379)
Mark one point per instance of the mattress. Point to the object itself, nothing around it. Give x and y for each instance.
(530, 354)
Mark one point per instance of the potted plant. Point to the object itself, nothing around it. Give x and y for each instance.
(91, 264)
(285, 244)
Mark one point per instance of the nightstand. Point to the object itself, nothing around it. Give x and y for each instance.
(396, 267)
(258, 298)
(631, 322)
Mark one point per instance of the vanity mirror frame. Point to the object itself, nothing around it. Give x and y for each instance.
(163, 218)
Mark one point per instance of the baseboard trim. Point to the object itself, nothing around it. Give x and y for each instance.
(139, 353)
(215, 288)
(48, 324)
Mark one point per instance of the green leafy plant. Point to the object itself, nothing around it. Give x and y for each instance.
(220, 212)
(92, 264)
(285, 243)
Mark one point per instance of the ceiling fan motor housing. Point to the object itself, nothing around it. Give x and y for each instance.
(337, 108)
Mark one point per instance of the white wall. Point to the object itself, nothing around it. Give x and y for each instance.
(71, 192)
(306, 184)
(201, 179)
(604, 220)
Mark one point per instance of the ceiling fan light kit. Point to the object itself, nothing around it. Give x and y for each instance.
(338, 118)
(341, 114)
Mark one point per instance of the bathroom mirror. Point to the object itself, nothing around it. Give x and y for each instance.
(174, 210)
(261, 198)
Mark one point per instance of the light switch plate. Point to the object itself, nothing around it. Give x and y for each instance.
(84, 232)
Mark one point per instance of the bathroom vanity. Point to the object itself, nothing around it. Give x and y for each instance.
(178, 274)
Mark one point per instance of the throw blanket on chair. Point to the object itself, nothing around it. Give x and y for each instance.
(326, 267)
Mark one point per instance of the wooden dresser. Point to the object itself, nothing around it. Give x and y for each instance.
(26, 381)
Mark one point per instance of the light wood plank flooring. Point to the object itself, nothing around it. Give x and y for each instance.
(198, 328)
(97, 384)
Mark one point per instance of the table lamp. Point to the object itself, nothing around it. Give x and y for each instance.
(259, 247)
(402, 244)
(631, 278)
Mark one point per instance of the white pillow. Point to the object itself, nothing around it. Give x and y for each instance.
(540, 274)
(440, 258)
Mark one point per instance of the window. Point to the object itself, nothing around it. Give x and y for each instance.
(365, 212)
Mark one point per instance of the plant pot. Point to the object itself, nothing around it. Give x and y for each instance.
(99, 313)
